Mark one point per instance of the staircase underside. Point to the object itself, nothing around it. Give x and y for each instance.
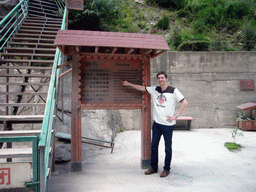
(26, 65)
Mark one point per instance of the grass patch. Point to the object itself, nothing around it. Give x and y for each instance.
(121, 130)
(232, 146)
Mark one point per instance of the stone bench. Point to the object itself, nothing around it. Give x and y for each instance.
(186, 118)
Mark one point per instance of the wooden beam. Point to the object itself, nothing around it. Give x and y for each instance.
(76, 144)
(145, 52)
(65, 73)
(146, 118)
(130, 51)
(158, 54)
(62, 49)
(78, 48)
(65, 64)
(96, 49)
(114, 50)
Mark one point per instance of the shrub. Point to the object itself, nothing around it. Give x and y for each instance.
(170, 4)
(249, 37)
(194, 46)
(163, 23)
(97, 15)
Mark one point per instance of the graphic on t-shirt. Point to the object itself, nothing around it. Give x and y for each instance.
(161, 99)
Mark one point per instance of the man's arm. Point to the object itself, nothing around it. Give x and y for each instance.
(184, 104)
(138, 87)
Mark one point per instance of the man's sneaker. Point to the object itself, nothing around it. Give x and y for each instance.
(164, 173)
(150, 171)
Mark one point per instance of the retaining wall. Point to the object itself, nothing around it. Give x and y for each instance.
(210, 83)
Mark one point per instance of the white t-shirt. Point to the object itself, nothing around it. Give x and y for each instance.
(164, 103)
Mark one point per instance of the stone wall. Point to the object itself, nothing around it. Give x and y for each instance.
(210, 83)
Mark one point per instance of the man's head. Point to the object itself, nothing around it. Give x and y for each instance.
(162, 78)
(162, 73)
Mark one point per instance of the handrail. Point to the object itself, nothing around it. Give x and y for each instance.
(50, 110)
(16, 15)
(34, 139)
(60, 5)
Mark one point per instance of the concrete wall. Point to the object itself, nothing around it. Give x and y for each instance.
(210, 83)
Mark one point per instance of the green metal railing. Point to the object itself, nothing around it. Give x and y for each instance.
(42, 147)
(34, 139)
(10, 23)
(50, 111)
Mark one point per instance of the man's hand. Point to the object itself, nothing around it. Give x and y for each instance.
(171, 118)
(138, 87)
(125, 83)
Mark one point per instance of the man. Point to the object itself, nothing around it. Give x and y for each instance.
(164, 101)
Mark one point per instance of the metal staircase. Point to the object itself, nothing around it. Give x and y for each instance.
(28, 87)
(26, 64)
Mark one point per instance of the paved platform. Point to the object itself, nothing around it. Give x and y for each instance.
(200, 162)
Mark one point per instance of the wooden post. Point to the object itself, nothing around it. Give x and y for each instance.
(76, 152)
(146, 119)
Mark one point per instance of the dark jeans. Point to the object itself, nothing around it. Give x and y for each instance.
(158, 131)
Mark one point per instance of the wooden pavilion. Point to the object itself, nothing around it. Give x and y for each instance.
(100, 60)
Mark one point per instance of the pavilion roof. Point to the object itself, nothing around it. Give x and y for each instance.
(69, 41)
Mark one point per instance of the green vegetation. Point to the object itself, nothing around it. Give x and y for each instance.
(187, 25)
(232, 146)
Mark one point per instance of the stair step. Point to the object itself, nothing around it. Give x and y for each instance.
(15, 152)
(25, 67)
(27, 55)
(48, 3)
(43, 9)
(54, 26)
(43, 21)
(39, 45)
(32, 40)
(26, 75)
(49, 62)
(21, 93)
(35, 35)
(26, 31)
(29, 50)
(26, 84)
(19, 118)
(31, 28)
(35, 18)
(38, 13)
(22, 104)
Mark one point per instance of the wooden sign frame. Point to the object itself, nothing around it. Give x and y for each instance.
(75, 4)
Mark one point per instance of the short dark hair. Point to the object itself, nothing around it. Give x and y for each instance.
(162, 73)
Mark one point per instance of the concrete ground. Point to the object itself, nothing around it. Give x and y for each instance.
(200, 162)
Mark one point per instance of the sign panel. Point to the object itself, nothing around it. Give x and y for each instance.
(75, 4)
(14, 175)
(101, 81)
(247, 84)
